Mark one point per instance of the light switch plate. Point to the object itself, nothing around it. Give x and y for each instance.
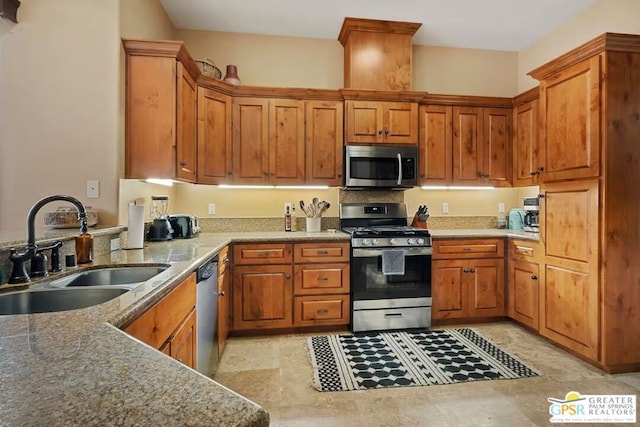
(115, 244)
(445, 207)
(501, 207)
(93, 189)
(212, 209)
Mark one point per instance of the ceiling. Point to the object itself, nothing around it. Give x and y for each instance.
(481, 24)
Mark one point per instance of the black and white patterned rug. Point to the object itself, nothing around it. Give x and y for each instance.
(397, 359)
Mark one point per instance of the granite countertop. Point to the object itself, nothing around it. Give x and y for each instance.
(482, 233)
(77, 368)
(44, 236)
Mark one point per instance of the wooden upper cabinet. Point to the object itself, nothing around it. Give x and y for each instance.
(496, 147)
(468, 123)
(525, 144)
(160, 105)
(570, 122)
(187, 128)
(370, 122)
(268, 141)
(435, 144)
(214, 137)
(324, 141)
(250, 140)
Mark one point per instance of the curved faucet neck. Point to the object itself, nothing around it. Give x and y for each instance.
(31, 217)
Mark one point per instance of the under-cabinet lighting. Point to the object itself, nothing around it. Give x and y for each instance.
(165, 182)
(276, 187)
(456, 187)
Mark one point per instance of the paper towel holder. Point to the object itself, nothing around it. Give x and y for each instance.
(135, 226)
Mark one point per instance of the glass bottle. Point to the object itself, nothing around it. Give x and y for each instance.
(84, 245)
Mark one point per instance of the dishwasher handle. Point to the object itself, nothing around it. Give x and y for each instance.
(207, 270)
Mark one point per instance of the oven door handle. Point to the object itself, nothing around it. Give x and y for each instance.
(363, 253)
(399, 169)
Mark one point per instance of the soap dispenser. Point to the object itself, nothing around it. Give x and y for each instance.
(84, 245)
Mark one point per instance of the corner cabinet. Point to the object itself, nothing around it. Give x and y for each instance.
(170, 325)
(373, 122)
(214, 137)
(160, 111)
(468, 279)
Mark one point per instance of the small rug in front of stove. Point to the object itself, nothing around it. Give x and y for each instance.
(400, 359)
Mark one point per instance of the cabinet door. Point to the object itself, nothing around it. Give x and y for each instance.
(570, 122)
(321, 310)
(324, 142)
(214, 137)
(486, 287)
(449, 289)
(400, 122)
(224, 296)
(286, 141)
(496, 147)
(525, 144)
(183, 343)
(262, 297)
(315, 279)
(186, 143)
(435, 144)
(523, 279)
(250, 140)
(569, 297)
(364, 121)
(467, 144)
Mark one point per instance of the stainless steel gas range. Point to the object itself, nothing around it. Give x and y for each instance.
(390, 267)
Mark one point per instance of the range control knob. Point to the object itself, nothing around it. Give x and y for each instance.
(393, 242)
(366, 242)
(421, 241)
(375, 242)
(411, 241)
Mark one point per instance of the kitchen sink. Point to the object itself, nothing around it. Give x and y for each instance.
(110, 276)
(50, 300)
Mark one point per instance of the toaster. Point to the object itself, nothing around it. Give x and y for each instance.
(184, 226)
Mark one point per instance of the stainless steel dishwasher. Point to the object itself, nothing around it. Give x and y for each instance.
(207, 317)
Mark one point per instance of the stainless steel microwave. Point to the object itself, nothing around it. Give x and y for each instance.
(378, 167)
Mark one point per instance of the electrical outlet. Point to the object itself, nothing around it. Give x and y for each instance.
(93, 189)
(501, 207)
(115, 244)
(212, 208)
(445, 207)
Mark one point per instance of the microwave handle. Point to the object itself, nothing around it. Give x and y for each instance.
(399, 169)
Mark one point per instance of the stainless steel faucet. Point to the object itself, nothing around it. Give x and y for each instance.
(19, 256)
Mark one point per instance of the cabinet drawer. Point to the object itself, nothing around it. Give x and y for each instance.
(267, 253)
(223, 260)
(468, 248)
(313, 279)
(321, 310)
(157, 324)
(321, 252)
(524, 250)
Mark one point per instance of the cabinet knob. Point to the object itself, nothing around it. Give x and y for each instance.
(534, 277)
(380, 132)
(322, 279)
(183, 164)
(540, 169)
(229, 173)
(288, 276)
(221, 294)
(541, 196)
(386, 131)
(533, 173)
(472, 270)
(465, 270)
(322, 311)
(180, 360)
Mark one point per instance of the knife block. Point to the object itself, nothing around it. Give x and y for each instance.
(417, 223)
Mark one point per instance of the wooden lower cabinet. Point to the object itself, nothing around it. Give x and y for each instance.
(169, 325)
(279, 285)
(468, 279)
(224, 299)
(262, 296)
(523, 280)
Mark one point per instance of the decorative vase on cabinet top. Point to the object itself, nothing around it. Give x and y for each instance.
(232, 75)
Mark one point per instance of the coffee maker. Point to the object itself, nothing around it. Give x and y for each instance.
(531, 207)
(160, 229)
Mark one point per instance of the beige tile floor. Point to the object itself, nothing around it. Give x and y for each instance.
(275, 373)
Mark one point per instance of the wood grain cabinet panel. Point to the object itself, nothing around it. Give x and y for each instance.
(468, 132)
(371, 122)
(262, 253)
(313, 279)
(486, 287)
(286, 142)
(160, 111)
(435, 144)
(496, 147)
(523, 289)
(321, 252)
(214, 137)
(449, 289)
(250, 140)
(526, 164)
(570, 128)
(324, 141)
(182, 346)
(321, 310)
(468, 248)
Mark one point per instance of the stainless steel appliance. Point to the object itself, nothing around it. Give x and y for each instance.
(207, 317)
(380, 167)
(184, 226)
(531, 207)
(390, 267)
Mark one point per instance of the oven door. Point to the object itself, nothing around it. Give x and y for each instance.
(368, 282)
